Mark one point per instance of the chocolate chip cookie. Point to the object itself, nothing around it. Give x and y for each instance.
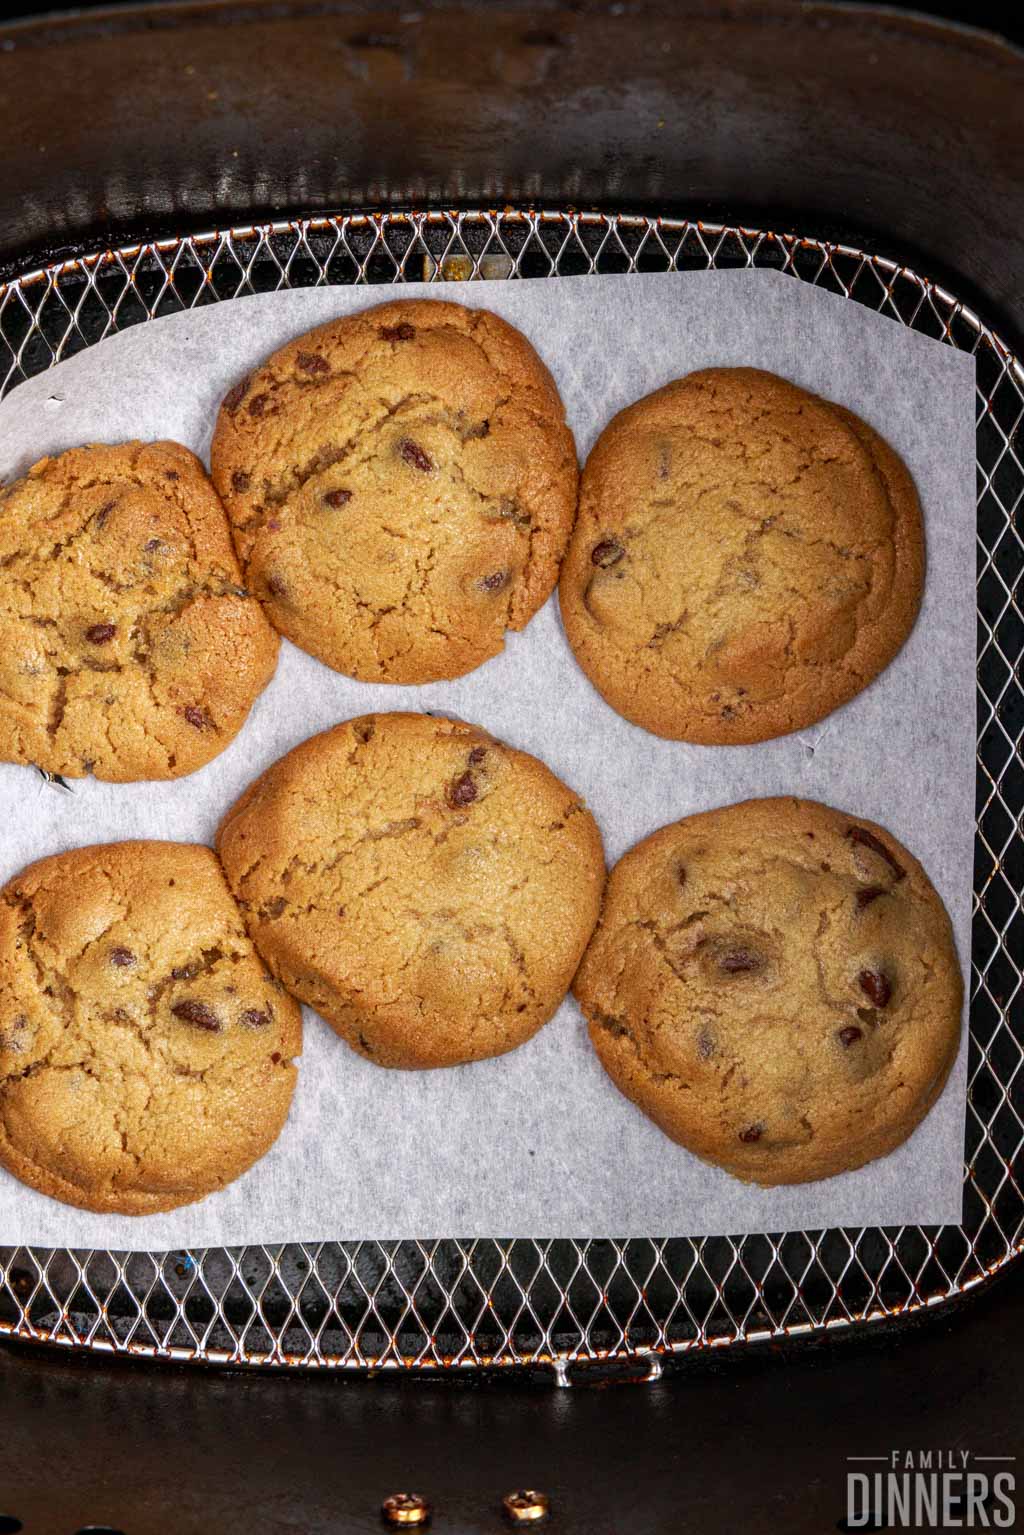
(146, 1057)
(402, 485)
(775, 985)
(128, 648)
(747, 557)
(427, 889)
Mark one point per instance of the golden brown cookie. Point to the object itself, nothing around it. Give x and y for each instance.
(426, 888)
(775, 985)
(146, 1057)
(402, 485)
(128, 648)
(747, 557)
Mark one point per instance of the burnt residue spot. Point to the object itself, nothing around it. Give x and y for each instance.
(875, 984)
(336, 498)
(235, 396)
(412, 454)
(866, 838)
(608, 552)
(867, 894)
(240, 481)
(100, 634)
(402, 332)
(197, 1014)
(850, 1035)
(195, 716)
(751, 1134)
(462, 791)
(496, 581)
(312, 362)
(255, 1018)
(122, 958)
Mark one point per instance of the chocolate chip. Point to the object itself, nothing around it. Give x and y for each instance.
(258, 405)
(198, 1015)
(681, 876)
(103, 513)
(850, 1035)
(462, 791)
(751, 1134)
(253, 1018)
(474, 433)
(413, 454)
(274, 908)
(151, 546)
(122, 958)
(867, 894)
(101, 634)
(276, 587)
(235, 396)
(337, 498)
(495, 582)
(477, 755)
(739, 961)
(195, 716)
(184, 972)
(705, 1045)
(312, 362)
(403, 332)
(240, 481)
(868, 839)
(172, 474)
(276, 1058)
(273, 526)
(608, 552)
(876, 986)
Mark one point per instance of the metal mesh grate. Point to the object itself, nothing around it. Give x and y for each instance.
(470, 1303)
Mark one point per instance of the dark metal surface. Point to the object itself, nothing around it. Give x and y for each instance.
(750, 1445)
(834, 119)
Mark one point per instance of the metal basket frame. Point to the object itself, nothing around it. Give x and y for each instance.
(448, 1303)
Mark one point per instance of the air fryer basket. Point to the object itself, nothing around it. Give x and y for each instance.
(445, 1302)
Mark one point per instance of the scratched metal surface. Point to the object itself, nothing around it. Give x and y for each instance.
(448, 1303)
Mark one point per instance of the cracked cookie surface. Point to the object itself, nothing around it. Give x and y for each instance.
(146, 1056)
(401, 485)
(747, 557)
(774, 984)
(128, 648)
(426, 888)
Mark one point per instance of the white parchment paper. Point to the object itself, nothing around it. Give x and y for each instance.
(539, 1143)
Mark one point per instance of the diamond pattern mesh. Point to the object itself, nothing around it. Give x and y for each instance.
(449, 1303)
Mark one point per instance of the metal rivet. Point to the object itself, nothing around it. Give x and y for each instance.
(406, 1508)
(526, 1507)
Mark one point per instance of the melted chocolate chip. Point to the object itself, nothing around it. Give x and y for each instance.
(477, 755)
(195, 716)
(411, 453)
(875, 985)
(751, 1134)
(101, 634)
(608, 552)
(867, 894)
(258, 406)
(253, 1018)
(403, 332)
(739, 961)
(198, 1015)
(122, 958)
(495, 582)
(312, 362)
(462, 791)
(235, 396)
(240, 481)
(868, 839)
(337, 498)
(850, 1035)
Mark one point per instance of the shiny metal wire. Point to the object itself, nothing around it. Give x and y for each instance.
(448, 1303)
